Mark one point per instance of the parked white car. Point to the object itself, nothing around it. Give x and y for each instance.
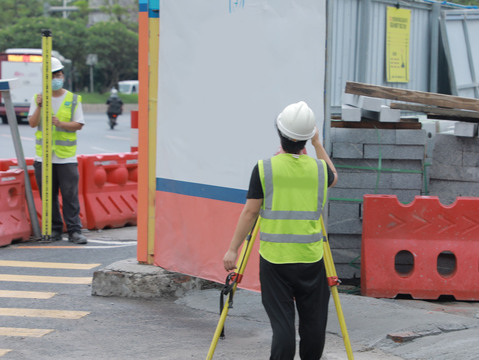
(128, 86)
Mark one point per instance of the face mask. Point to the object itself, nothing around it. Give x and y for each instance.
(57, 84)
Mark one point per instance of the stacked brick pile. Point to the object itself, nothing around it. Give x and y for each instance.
(369, 161)
(455, 168)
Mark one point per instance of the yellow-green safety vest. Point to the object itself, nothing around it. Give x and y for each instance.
(64, 142)
(295, 191)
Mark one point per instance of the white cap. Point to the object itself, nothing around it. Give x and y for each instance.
(297, 122)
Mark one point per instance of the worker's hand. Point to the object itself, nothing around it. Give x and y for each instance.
(39, 100)
(229, 260)
(55, 121)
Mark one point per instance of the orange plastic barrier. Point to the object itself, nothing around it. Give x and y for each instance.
(8, 164)
(14, 224)
(110, 189)
(424, 249)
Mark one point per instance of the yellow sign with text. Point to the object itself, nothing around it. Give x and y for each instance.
(397, 44)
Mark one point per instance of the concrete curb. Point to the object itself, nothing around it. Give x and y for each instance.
(128, 278)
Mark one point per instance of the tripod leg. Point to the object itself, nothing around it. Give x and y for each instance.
(331, 274)
(241, 266)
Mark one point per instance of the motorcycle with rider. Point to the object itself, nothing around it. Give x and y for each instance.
(115, 108)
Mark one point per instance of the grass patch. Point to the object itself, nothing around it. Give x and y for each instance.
(96, 98)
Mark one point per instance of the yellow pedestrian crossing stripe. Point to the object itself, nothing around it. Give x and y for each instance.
(46, 279)
(6, 331)
(43, 313)
(48, 265)
(22, 294)
(26, 294)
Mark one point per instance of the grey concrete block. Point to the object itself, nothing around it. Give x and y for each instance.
(363, 136)
(365, 180)
(345, 226)
(345, 241)
(465, 129)
(350, 113)
(394, 151)
(386, 114)
(380, 180)
(448, 191)
(404, 196)
(449, 141)
(407, 181)
(347, 150)
(470, 159)
(361, 165)
(343, 210)
(411, 137)
(454, 173)
(447, 154)
(364, 102)
(346, 256)
(347, 271)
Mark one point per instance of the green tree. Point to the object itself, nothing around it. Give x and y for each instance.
(117, 49)
(68, 38)
(13, 10)
(126, 14)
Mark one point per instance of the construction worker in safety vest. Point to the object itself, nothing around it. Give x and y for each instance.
(67, 119)
(289, 192)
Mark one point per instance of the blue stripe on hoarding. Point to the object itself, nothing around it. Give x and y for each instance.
(201, 190)
(143, 5)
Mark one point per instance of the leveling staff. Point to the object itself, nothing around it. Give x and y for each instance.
(67, 120)
(289, 191)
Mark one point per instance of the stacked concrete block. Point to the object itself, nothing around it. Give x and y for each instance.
(357, 106)
(465, 129)
(369, 161)
(455, 168)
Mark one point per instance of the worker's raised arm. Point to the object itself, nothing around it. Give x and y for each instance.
(322, 154)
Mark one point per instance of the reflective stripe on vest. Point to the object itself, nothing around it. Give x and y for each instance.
(64, 141)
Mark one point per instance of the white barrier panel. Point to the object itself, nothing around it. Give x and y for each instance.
(226, 69)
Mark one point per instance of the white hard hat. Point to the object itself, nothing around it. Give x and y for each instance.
(296, 122)
(56, 65)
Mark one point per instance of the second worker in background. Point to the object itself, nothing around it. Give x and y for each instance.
(67, 119)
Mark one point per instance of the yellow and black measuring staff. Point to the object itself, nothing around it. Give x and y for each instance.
(333, 282)
(47, 136)
(232, 281)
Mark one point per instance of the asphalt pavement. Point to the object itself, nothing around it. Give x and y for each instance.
(378, 328)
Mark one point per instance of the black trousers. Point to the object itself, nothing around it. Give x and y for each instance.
(65, 178)
(283, 286)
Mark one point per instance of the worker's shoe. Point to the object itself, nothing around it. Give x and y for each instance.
(77, 238)
(56, 235)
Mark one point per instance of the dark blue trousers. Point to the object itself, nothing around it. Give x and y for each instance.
(65, 179)
(305, 285)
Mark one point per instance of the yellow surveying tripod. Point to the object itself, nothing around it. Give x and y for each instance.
(333, 282)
